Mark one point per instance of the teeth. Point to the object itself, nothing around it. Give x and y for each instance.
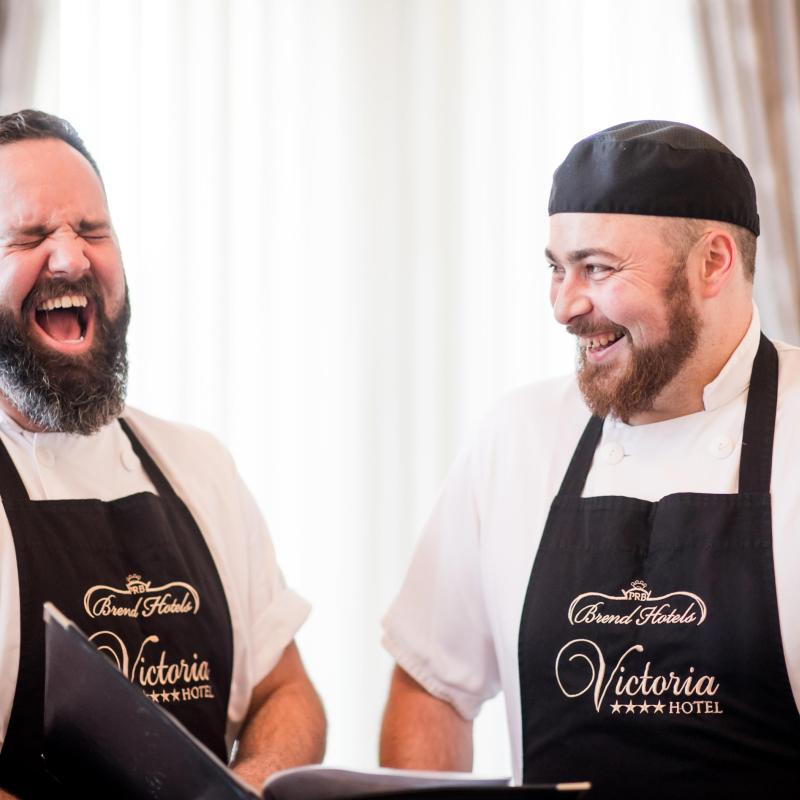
(66, 301)
(599, 341)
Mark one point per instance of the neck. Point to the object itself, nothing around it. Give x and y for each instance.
(684, 393)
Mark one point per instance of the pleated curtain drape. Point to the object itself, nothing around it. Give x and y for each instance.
(751, 49)
(20, 38)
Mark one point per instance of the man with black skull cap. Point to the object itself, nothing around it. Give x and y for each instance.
(619, 552)
(139, 530)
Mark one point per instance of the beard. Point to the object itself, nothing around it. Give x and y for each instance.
(651, 368)
(58, 392)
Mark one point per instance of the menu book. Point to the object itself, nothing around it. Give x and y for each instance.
(104, 737)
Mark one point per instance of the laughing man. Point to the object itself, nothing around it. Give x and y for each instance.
(139, 530)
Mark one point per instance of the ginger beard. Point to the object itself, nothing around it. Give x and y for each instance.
(650, 368)
(58, 392)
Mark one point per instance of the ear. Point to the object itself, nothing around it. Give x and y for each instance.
(717, 255)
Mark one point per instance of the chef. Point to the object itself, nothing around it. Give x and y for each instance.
(618, 551)
(139, 530)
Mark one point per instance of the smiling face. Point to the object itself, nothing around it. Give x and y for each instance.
(617, 287)
(63, 300)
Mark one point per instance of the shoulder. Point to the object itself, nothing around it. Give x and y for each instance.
(787, 431)
(788, 372)
(178, 447)
(541, 409)
(534, 421)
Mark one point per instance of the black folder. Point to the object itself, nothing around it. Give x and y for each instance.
(104, 737)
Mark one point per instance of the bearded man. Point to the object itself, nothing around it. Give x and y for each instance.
(619, 553)
(107, 511)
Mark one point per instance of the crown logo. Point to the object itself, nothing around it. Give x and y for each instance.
(136, 585)
(638, 591)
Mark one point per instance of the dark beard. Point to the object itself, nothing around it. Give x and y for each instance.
(651, 368)
(61, 393)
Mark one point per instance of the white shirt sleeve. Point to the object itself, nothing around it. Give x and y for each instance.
(275, 611)
(437, 629)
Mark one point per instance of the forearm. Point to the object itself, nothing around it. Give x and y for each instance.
(420, 731)
(286, 730)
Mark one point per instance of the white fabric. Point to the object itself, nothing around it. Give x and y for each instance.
(265, 614)
(455, 624)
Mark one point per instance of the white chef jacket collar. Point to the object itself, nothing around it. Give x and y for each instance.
(734, 377)
(12, 426)
(732, 380)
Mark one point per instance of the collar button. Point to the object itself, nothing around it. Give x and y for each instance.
(612, 453)
(721, 446)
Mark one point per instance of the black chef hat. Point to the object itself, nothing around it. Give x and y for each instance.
(664, 169)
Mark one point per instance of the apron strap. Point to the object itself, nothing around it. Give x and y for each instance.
(13, 489)
(11, 486)
(755, 466)
(575, 477)
(163, 486)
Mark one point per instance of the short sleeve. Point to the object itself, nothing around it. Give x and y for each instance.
(437, 629)
(275, 611)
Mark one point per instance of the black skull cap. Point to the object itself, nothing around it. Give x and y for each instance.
(658, 168)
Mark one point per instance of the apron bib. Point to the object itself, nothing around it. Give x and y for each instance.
(136, 576)
(650, 652)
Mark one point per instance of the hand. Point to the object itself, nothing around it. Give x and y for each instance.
(285, 725)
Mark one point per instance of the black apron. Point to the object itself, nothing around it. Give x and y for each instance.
(650, 651)
(136, 575)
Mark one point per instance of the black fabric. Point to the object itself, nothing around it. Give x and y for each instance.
(650, 653)
(143, 554)
(656, 168)
(94, 749)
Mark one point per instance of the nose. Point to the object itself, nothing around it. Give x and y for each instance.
(67, 257)
(569, 298)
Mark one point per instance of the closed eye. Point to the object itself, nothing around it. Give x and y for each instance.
(28, 245)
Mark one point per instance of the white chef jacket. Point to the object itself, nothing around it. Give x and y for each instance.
(265, 613)
(454, 626)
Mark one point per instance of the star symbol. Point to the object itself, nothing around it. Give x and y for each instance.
(629, 709)
(175, 695)
(659, 707)
(153, 696)
(615, 708)
(644, 708)
(165, 696)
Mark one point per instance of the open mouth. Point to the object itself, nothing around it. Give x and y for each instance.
(65, 319)
(600, 342)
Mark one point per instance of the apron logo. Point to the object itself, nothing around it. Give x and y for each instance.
(162, 680)
(637, 606)
(581, 669)
(140, 599)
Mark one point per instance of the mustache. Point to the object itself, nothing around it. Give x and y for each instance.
(587, 327)
(50, 288)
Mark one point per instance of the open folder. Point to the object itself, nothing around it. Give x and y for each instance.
(105, 737)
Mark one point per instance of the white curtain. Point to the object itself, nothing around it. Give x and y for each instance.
(20, 37)
(751, 49)
(333, 216)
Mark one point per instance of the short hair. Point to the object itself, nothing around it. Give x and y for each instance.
(33, 124)
(681, 234)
